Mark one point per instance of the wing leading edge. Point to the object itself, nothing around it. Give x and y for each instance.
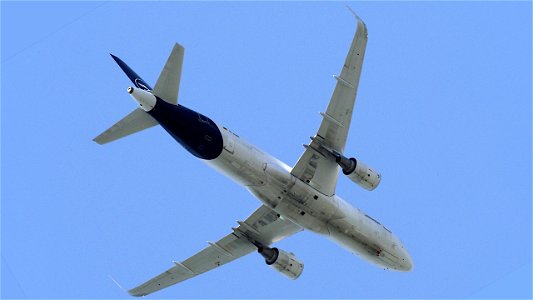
(316, 167)
(263, 226)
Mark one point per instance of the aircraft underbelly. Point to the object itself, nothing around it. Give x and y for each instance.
(270, 181)
(239, 160)
(361, 243)
(295, 201)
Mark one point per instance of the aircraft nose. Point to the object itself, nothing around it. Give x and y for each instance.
(407, 265)
(406, 261)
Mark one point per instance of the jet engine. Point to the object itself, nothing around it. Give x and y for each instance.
(284, 262)
(358, 172)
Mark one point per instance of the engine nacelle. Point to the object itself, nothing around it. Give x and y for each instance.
(358, 172)
(284, 262)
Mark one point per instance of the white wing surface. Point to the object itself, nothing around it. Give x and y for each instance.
(316, 167)
(264, 226)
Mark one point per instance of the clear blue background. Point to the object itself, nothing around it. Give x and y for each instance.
(443, 111)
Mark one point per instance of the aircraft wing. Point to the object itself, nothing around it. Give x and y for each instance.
(315, 166)
(263, 226)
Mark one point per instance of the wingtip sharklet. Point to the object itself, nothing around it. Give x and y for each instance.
(118, 284)
(359, 20)
(360, 23)
(353, 12)
(131, 292)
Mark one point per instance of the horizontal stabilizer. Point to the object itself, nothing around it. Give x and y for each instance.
(136, 121)
(168, 83)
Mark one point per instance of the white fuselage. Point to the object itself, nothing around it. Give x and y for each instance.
(270, 180)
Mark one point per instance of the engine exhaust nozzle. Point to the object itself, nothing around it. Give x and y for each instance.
(145, 99)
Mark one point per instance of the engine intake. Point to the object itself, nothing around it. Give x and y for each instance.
(358, 172)
(284, 262)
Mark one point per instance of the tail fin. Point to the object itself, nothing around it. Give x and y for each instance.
(136, 79)
(166, 88)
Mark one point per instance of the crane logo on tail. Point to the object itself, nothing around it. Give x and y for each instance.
(141, 84)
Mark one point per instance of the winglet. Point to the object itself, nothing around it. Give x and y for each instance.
(118, 284)
(352, 11)
(360, 23)
(359, 20)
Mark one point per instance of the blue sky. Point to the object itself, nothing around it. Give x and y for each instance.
(443, 112)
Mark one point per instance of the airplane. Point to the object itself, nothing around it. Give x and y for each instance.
(292, 199)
